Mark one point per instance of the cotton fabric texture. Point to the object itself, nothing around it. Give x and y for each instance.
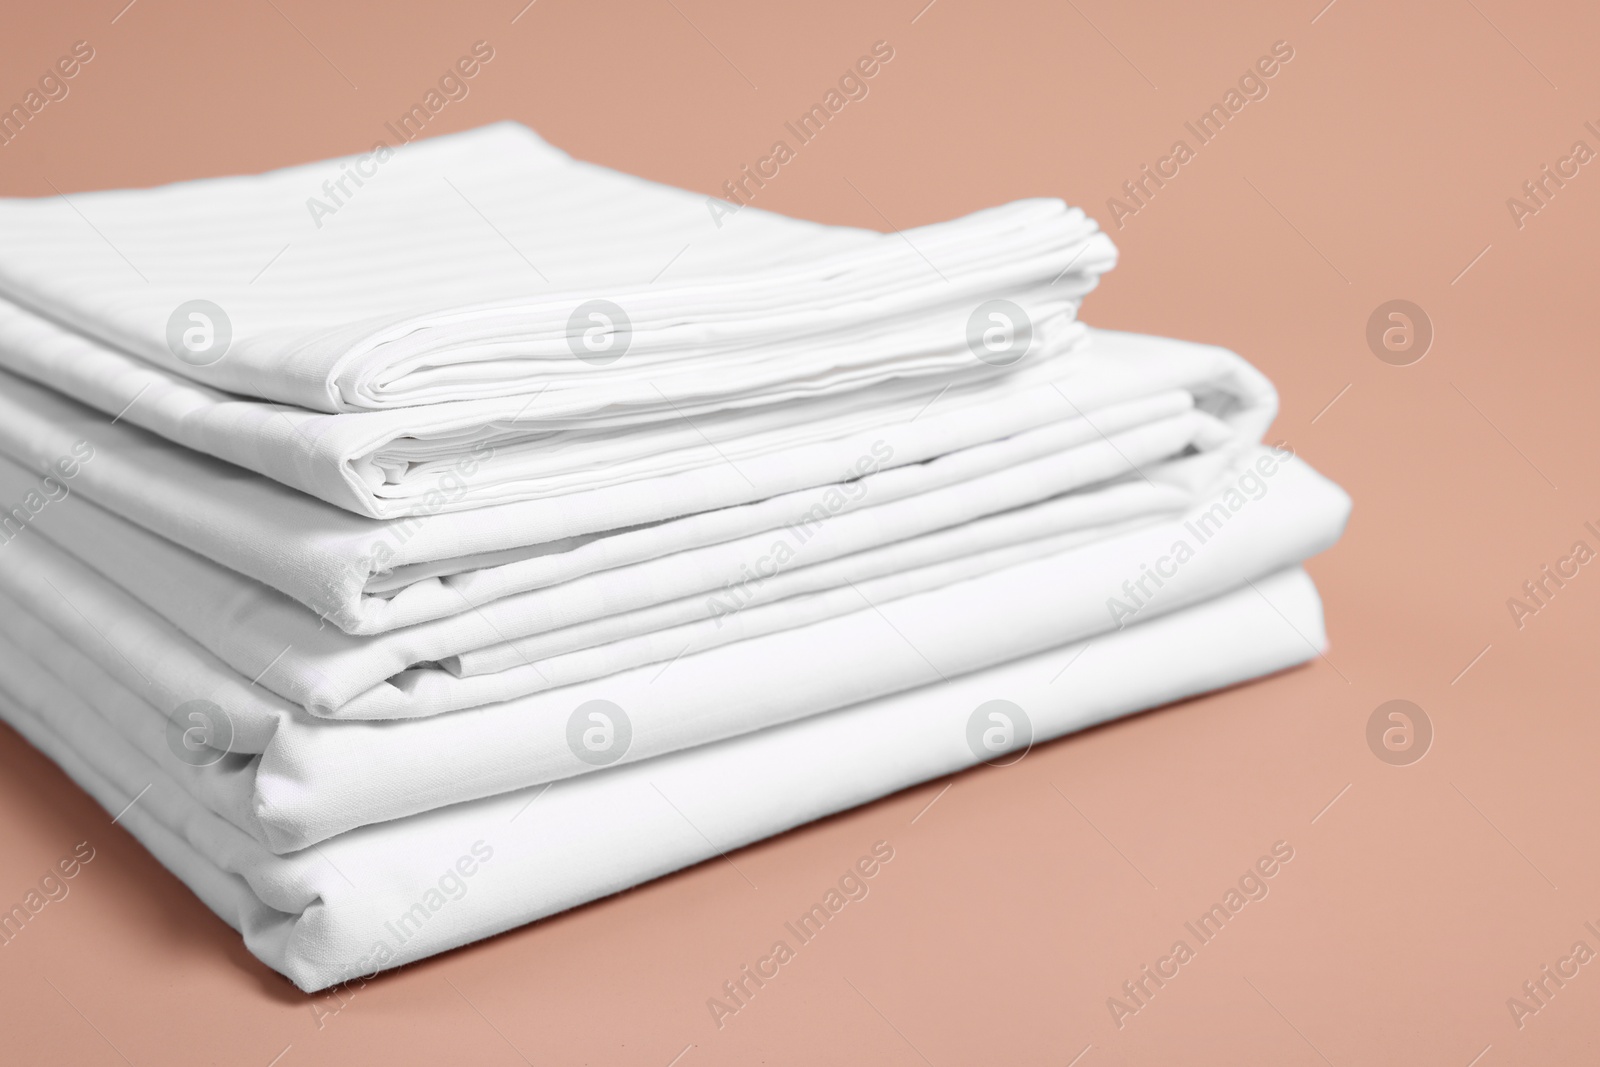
(398, 891)
(307, 778)
(467, 353)
(524, 530)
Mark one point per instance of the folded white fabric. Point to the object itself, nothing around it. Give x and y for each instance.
(463, 455)
(293, 780)
(644, 310)
(419, 292)
(521, 530)
(690, 600)
(398, 891)
(278, 645)
(1124, 398)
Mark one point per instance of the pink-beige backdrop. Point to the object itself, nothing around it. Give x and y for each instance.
(1377, 164)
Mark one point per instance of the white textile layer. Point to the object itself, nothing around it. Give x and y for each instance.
(399, 891)
(369, 576)
(418, 301)
(292, 780)
(1088, 549)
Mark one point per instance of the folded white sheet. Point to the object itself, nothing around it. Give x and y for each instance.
(278, 645)
(622, 616)
(462, 269)
(465, 454)
(366, 576)
(396, 892)
(292, 780)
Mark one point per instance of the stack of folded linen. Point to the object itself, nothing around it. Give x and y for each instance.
(520, 531)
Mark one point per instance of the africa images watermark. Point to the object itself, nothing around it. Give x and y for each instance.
(1399, 732)
(1538, 991)
(851, 86)
(1538, 591)
(452, 87)
(52, 889)
(1538, 191)
(999, 733)
(599, 732)
(850, 887)
(452, 885)
(1252, 886)
(51, 88)
(52, 487)
(737, 593)
(1251, 485)
(1252, 86)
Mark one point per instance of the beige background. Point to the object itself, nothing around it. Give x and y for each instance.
(1378, 167)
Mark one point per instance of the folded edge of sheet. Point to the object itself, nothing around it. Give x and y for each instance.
(307, 917)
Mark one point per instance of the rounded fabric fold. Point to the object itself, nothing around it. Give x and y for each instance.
(329, 914)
